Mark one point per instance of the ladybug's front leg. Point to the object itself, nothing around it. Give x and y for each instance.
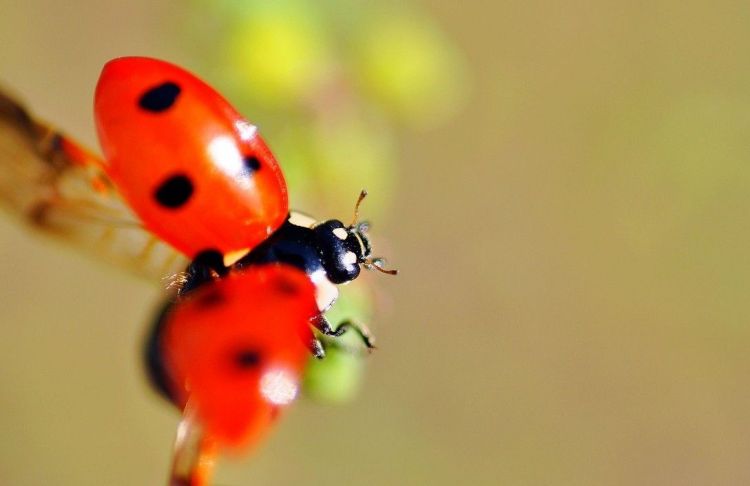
(322, 324)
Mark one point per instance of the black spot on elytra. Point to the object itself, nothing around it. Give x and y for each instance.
(174, 192)
(210, 299)
(247, 358)
(285, 286)
(252, 164)
(159, 98)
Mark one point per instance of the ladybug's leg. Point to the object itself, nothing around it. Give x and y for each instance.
(317, 349)
(322, 324)
(360, 329)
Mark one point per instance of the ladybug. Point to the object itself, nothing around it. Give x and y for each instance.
(185, 178)
(201, 177)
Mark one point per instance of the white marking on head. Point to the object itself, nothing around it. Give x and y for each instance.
(340, 233)
(350, 258)
(279, 386)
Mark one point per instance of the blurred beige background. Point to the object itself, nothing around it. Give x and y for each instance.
(574, 249)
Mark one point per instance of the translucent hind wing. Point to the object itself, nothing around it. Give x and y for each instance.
(58, 187)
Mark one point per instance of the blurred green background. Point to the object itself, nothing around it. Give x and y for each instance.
(564, 188)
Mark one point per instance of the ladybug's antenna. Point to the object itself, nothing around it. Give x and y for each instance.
(377, 264)
(362, 196)
(361, 229)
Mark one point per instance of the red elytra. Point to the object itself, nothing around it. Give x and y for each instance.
(238, 364)
(197, 174)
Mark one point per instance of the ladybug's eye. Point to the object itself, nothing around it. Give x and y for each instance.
(159, 98)
(247, 359)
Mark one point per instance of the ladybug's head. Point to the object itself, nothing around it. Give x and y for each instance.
(347, 248)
